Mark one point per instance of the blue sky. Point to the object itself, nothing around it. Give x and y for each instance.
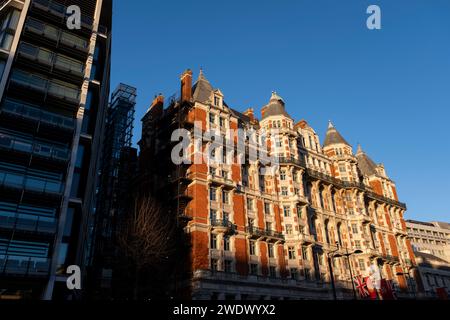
(387, 89)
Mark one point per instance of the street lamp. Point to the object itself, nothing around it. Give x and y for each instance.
(408, 279)
(348, 254)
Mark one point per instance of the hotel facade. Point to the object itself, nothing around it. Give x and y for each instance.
(326, 210)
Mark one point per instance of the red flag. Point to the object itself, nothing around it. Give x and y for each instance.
(387, 290)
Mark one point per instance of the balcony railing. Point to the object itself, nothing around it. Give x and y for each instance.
(292, 160)
(57, 35)
(32, 184)
(29, 223)
(11, 143)
(224, 223)
(264, 233)
(36, 114)
(45, 86)
(17, 265)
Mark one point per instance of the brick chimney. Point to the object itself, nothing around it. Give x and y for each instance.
(263, 111)
(250, 113)
(186, 85)
(157, 106)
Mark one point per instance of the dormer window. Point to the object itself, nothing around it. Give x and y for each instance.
(217, 101)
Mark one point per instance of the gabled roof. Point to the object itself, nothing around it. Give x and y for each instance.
(333, 136)
(275, 107)
(202, 89)
(366, 165)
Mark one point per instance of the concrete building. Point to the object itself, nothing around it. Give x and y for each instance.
(54, 88)
(431, 245)
(430, 237)
(258, 236)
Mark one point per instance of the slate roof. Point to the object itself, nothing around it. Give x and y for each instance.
(366, 165)
(275, 107)
(202, 89)
(333, 136)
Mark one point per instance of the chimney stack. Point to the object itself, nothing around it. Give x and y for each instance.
(250, 113)
(186, 85)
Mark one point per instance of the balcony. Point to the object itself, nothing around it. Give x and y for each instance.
(12, 144)
(292, 161)
(24, 266)
(45, 89)
(29, 224)
(72, 44)
(223, 226)
(52, 62)
(264, 234)
(381, 198)
(58, 12)
(225, 182)
(34, 185)
(390, 259)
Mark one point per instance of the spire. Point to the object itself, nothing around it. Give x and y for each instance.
(359, 151)
(333, 136)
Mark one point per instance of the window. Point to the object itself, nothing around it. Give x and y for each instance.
(225, 197)
(291, 253)
(249, 204)
(287, 211)
(294, 273)
(266, 208)
(213, 215)
(221, 122)
(354, 228)
(253, 269)
(226, 216)
(272, 272)
(362, 266)
(212, 171)
(227, 266)
(226, 243)
(251, 222)
(289, 229)
(213, 241)
(268, 226)
(212, 194)
(282, 175)
(358, 244)
(284, 191)
(217, 101)
(305, 253)
(252, 248)
(342, 168)
(214, 265)
(212, 118)
(270, 250)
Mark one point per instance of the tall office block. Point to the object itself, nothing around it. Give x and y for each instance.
(54, 88)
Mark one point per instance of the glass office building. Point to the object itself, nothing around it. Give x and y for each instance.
(54, 88)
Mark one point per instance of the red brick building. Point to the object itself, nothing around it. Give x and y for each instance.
(256, 236)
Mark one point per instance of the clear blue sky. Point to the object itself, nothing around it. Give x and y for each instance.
(388, 90)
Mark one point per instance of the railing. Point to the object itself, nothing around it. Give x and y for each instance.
(18, 181)
(353, 184)
(258, 232)
(57, 35)
(223, 223)
(292, 160)
(37, 225)
(46, 86)
(36, 114)
(18, 265)
(11, 143)
(61, 11)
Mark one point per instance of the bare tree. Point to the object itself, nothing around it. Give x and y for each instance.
(148, 237)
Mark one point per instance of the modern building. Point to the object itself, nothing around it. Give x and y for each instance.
(119, 165)
(431, 245)
(430, 237)
(253, 235)
(54, 88)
